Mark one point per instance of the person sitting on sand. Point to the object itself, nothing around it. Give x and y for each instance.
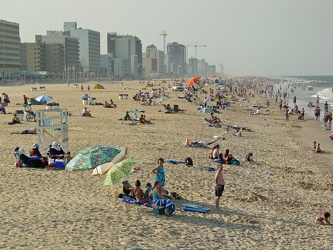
(228, 158)
(314, 147)
(138, 193)
(67, 158)
(86, 113)
(143, 120)
(106, 105)
(113, 105)
(323, 219)
(318, 149)
(15, 119)
(216, 152)
(56, 151)
(26, 131)
(249, 156)
(210, 155)
(159, 199)
(35, 151)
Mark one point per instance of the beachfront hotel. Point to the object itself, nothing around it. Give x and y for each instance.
(127, 54)
(9, 50)
(90, 48)
(177, 56)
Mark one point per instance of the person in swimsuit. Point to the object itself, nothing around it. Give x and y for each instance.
(219, 186)
(323, 219)
(159, 201)
(159, 171)
(138, 192)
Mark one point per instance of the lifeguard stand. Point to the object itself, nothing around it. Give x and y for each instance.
(52, 125)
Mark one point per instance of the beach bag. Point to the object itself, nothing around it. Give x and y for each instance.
(188, 161)
(331, 136)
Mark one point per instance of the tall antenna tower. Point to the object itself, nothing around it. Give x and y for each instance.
(164, 35)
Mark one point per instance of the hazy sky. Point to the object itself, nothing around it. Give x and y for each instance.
(248, 37)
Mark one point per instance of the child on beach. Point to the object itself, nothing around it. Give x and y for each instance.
(323, 219)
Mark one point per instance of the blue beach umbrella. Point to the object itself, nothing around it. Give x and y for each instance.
(43, 98)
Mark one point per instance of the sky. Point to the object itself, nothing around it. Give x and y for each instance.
(247, 37)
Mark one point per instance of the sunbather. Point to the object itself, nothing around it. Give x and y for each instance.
(26, 131)
(15, 119)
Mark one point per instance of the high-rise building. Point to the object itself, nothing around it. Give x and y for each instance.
(90, 47)
(36, 55)
(128, 48)
(153, 52)
(9, 49)
(177, 55)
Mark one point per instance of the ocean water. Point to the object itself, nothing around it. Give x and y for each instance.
(322, 86)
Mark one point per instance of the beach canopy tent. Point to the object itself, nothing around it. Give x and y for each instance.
(98, 86)
(92, 157)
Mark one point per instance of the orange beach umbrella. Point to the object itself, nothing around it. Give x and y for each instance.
(192, 80)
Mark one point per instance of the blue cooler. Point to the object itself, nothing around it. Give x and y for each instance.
(59, 164)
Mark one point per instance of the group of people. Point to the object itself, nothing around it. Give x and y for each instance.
(226, 158)
(36, 160)
(109, 105)
(156, 194)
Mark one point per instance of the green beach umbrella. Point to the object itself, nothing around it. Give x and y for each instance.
(119, 171)
(92, 157)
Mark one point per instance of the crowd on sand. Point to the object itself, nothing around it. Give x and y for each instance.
(221, 99)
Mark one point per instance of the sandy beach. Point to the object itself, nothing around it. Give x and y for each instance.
(49, 209)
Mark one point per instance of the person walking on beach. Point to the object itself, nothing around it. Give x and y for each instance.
(326, 107)
(317, 113)
(219, 186)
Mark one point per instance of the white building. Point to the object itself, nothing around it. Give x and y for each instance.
(153, 52)
(90, 46)
(9, 50)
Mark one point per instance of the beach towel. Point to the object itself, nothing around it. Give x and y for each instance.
(131, 200)
(165, 203)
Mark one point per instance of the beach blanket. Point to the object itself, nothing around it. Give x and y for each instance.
(131, 200)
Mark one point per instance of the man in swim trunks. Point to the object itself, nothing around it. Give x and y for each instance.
(219, 186)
